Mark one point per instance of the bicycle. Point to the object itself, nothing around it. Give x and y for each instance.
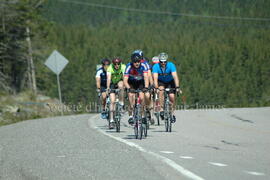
(99, 102)
(107, 110)
(117, 113)
(139, 127)
(167, 109)
(156, 107)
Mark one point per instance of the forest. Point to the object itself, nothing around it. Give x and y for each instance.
(221, 48)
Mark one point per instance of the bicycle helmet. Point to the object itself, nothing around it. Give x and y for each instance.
(155, 60)
(105, 61)
(136, 58)
(163, 57)
(116, 60)
(138, 51)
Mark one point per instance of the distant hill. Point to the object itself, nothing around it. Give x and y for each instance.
(96, 12)
(220, 48)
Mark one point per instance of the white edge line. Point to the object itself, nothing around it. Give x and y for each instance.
(254, 173)
(218, 164)
(186, 157)
(167, 152)
(169, 162)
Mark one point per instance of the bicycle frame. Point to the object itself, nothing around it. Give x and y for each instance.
(167, 110)
(117, 113)
(107, 108)
(156, 107)
(139, 127)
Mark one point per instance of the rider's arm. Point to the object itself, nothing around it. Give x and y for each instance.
(146, 79)
(126, 76)
(109, 76)
(174, 74)
(98, 79)
(123, 68)
(150, 77)
(155, 76)
(176, 79)
(98, 82)
(126, 81)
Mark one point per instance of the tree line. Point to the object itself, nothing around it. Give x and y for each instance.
(218, 61)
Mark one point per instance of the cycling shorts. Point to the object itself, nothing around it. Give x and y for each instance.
(136, 84)
(113, 87)
(103, 88)
(170, 84)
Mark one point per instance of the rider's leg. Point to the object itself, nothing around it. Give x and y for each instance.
(147, 100)
(103, 100)
(131, 98)
(121, 93)
(148, 107)
(161, 97)
(141, 95)
(112, 106)
(143, 107)
(172, 101)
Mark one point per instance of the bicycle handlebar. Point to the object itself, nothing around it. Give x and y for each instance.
(170, 89)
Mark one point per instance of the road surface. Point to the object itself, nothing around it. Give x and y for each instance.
(205, 144)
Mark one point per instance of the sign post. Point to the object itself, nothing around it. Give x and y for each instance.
(57, 62)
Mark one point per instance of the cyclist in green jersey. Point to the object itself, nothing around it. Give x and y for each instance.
(115, 74)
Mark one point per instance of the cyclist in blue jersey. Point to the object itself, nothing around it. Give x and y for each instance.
(136, 78)
(101, 83)
(165, 76)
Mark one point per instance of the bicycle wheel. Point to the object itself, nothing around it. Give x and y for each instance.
(157, 117)
(117, 123)
(136, 130)
(166, 117)
(145, 129)
(170, 124)
(140, 130)
(166, 125)
(117, 118)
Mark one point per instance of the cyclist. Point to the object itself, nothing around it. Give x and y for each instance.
(136, 78)
(155, 60)
(139, 53)
(101, 83)
(115, 74)
(165, 76)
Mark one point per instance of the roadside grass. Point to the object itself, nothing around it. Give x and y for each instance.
(25, 106)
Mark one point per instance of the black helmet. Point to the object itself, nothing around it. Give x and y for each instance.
(136, 57)
(138, 51)
(105, 61)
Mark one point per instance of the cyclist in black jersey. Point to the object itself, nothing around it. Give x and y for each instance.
(101, 83)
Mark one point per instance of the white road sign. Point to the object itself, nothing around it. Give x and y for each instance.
(56, 62)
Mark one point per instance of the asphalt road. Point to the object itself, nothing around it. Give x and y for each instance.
(212, 144)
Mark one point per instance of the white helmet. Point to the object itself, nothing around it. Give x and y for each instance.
(163, 57)
(155, 59)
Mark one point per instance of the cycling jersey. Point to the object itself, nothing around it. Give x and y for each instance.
(136, 74)
(102, 74)
(164, 74)
(116, 75)
(146, 63)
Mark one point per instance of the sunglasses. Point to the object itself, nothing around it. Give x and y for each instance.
(137, 62)
(163, 62)
(117, 64)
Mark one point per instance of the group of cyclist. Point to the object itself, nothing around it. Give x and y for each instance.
(140, 75)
